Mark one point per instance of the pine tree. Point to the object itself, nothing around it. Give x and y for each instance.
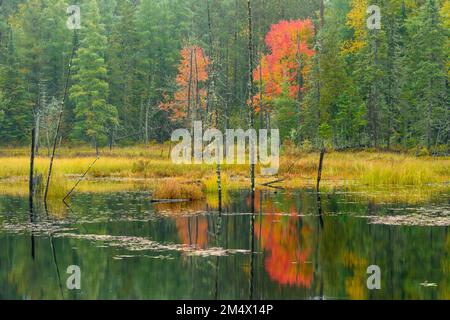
(367, 51)
(161, 28)
(15, 105)
(94, 116)
(393, 18)
(121, 61)
(425, 85)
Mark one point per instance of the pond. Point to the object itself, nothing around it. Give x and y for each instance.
(288, 245)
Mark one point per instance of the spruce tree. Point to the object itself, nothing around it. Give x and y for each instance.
(426, 86)
(94, 116)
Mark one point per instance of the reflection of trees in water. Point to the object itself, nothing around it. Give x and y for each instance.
(287, 242)
(340, 253)
(193, 231)
(355, 285)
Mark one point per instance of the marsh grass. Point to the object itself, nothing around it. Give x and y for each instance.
(370, 169)
(210, 183)
(150, 168)
(177, 189)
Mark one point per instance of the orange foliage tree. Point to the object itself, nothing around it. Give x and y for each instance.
(290, 46)
(189, 99)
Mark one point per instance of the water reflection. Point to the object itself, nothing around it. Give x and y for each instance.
(286, 241)
(193, 231)
(287, 245)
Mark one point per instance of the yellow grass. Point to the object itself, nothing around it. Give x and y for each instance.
(177, 189)
(372, 169)
(150, 168)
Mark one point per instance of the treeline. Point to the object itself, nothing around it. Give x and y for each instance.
(321, 76)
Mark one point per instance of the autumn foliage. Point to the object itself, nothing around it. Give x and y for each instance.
(286, 241)
(189, 98)
(290, 46)
(193, 231)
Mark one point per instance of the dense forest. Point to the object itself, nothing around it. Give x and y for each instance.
(142, 68)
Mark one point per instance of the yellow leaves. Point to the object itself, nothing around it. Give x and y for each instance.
(356, 20)
(356, 16)
(445, 14)
(353, 46)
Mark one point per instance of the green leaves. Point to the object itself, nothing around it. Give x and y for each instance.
(94, 116)
(387, 85)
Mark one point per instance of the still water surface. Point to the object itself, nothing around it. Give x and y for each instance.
(294, 246)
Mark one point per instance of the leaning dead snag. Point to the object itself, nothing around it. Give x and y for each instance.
(79, 180)
(58, 126)
(270, 184)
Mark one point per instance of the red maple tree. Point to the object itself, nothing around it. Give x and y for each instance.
(290, 46)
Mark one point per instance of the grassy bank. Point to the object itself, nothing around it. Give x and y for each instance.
(150, 168)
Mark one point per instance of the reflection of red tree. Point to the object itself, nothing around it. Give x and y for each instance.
(193, 231)
(287, 241)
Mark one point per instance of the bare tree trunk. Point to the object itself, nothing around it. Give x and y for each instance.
(196, 87)
(58, 126)
(318, 85)
(300, 85)
(146, 122)
(141, 121)
(236, 48)
(390, 62)
(227, 94)
(429, 120)
(250, 88)
(261, 96)
(260, 45)
(227, 84)
(48, 142)
(373, 103)
(31, 178)
(37, 126)
(319, 172)
(189, 93)
(212, 102)
(34, 135)
(41, 102)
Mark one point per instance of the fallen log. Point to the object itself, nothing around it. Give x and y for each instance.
(269, 184)
(169, 200)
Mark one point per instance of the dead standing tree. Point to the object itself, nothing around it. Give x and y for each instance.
(250, 93)
(322, 150)
(58, 126)
(212, 101)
